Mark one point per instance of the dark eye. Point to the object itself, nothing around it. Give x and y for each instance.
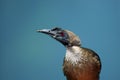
(62, 34)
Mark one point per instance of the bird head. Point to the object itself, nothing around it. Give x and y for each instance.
(66, 37)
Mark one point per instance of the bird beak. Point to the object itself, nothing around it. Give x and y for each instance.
(47, 31)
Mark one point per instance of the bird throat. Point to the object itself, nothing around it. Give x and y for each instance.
(74, 55)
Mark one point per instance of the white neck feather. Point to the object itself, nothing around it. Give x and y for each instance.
(73, 54)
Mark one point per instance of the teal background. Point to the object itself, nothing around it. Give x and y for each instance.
(28, 55)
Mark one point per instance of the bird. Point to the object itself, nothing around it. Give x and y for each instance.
(79, 63)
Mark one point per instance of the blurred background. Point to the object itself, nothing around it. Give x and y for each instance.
(28, 55)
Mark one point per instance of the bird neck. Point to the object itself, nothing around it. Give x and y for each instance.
(73, 54)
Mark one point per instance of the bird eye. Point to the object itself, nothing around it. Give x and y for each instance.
(62, 34)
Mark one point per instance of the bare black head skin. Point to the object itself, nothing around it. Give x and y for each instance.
(79, 63)
(67, 38)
